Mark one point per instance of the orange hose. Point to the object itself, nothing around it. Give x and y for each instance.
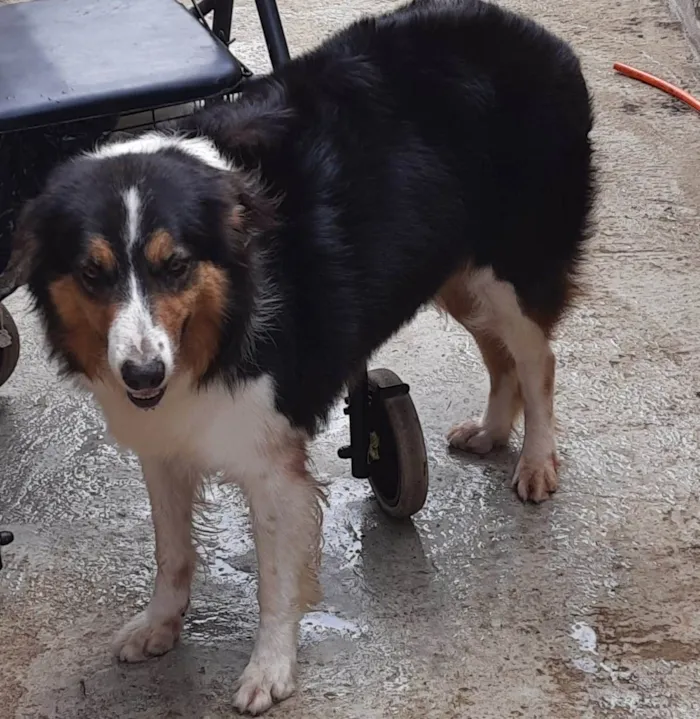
(660, 84)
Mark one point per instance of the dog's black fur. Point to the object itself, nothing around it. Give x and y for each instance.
(406, 147)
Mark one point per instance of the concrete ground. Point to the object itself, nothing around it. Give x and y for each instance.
(482, 608)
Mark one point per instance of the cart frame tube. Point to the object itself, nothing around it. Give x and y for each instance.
(223, 18)
(273, 31)
(269, 20)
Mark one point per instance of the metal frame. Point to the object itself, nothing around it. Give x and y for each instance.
(270, 20)
(358, 412)
(360, 409)
(272, 29)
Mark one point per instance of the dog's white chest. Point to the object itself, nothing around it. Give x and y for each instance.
(213, 430)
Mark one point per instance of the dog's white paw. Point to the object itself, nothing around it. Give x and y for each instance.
(474, 437)
(144, 637)
(263, 683)
(535, 480)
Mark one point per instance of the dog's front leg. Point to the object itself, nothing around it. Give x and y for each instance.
(155, 630)
(286, 514)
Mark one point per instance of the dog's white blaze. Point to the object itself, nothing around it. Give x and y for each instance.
(132, 205)
(201, 148)
(189, 435)
(134, 335)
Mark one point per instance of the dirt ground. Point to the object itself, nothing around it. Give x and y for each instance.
(482, 608)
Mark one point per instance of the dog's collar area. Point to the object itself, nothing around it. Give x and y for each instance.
(146, 401)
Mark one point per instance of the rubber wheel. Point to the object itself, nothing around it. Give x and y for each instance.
(398, 464)
(8, 355)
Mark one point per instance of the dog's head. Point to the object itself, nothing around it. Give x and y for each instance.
(138, 257)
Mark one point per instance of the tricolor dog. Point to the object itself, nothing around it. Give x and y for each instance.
(216, 285)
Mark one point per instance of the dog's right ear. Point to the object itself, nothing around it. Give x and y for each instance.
(23, 252)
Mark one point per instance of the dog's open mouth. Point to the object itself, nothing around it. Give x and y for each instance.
(146, 399)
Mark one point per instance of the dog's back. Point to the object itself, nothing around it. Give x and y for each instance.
(448, 123)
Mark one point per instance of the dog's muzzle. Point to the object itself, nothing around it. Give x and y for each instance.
(144, 382)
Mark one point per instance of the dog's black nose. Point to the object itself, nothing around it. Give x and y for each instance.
(149, 375)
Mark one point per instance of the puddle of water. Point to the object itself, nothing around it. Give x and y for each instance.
(316, 623)
(586, 637)
(586, 664)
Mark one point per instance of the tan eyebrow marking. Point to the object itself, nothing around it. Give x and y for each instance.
(101, 253)
(160, 247)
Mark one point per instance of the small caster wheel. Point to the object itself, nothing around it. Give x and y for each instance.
(398, 463)
(9, 345)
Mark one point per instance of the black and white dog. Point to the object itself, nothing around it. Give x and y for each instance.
(216, 286)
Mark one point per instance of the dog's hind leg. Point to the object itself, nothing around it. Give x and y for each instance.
(521, 364)
(504, 401)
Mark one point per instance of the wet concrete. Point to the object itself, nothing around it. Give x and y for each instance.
(482, 607)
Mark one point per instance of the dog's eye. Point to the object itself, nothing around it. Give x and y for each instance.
(177, 266)
(91, 274)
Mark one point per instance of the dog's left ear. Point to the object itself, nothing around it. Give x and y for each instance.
(23, 252)
(253, 209)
